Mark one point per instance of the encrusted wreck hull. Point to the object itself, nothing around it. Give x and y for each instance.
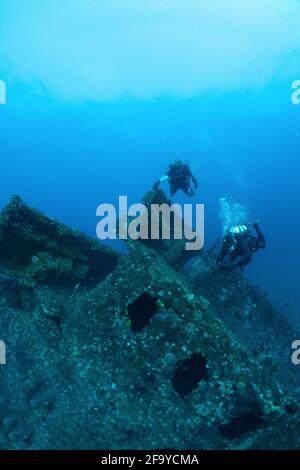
(135, 358)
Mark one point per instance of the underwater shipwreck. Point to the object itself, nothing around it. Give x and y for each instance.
(136, 351)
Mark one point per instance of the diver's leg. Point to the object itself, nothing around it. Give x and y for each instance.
(188, 191)
(173, 189)
(260, 237)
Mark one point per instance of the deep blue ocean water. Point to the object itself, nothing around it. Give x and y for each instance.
(66, 157)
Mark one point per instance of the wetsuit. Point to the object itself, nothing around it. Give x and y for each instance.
(179, 177)
(241, 247)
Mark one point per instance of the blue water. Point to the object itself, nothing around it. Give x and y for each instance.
(66, 156)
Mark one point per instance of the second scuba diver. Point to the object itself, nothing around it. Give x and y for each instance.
(239, 245)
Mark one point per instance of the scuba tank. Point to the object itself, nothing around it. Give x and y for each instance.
(236, 232)
(239, 230)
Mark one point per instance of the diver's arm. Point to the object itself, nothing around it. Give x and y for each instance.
(221, 257)
(244, 261)
(247, 257)
(225, 266)
(161, 180)
(164, 178)
(260, 237)
(195, 182)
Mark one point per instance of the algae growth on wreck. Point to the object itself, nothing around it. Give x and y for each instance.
(135, 354)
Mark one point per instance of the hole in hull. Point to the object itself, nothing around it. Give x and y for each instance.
(141, 311)
(189, 373)
(241, 425)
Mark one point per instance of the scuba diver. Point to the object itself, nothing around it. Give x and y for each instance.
(179, 176)
(240, 243)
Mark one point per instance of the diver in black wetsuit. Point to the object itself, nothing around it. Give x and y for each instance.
(240, 243)
(179, 176)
